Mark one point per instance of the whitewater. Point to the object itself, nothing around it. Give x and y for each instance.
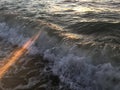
(78, 48)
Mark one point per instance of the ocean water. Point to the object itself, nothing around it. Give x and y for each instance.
(78, 49)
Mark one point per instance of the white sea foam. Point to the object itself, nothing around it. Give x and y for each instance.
(77, 67)
(72, 64)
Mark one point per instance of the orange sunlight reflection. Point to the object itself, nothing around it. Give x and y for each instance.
(17, 54)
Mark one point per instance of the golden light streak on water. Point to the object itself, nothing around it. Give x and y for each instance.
(82, 9)
(16, 55)
(72, 36)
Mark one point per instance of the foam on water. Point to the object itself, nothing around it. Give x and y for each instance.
(79, 67)
(80, 38)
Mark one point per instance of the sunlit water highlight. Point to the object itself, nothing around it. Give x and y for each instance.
(16, 55)
(80, 39)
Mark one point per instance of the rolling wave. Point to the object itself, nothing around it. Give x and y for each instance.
(85, 56)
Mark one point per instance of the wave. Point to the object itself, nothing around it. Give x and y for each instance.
(79, 58)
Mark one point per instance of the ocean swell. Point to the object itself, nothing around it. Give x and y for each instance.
(80, 61)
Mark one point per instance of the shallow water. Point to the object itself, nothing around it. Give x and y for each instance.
(78, 49)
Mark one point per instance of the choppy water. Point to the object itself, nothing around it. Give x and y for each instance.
(78, 49)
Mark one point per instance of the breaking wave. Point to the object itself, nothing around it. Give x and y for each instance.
(85, 56)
